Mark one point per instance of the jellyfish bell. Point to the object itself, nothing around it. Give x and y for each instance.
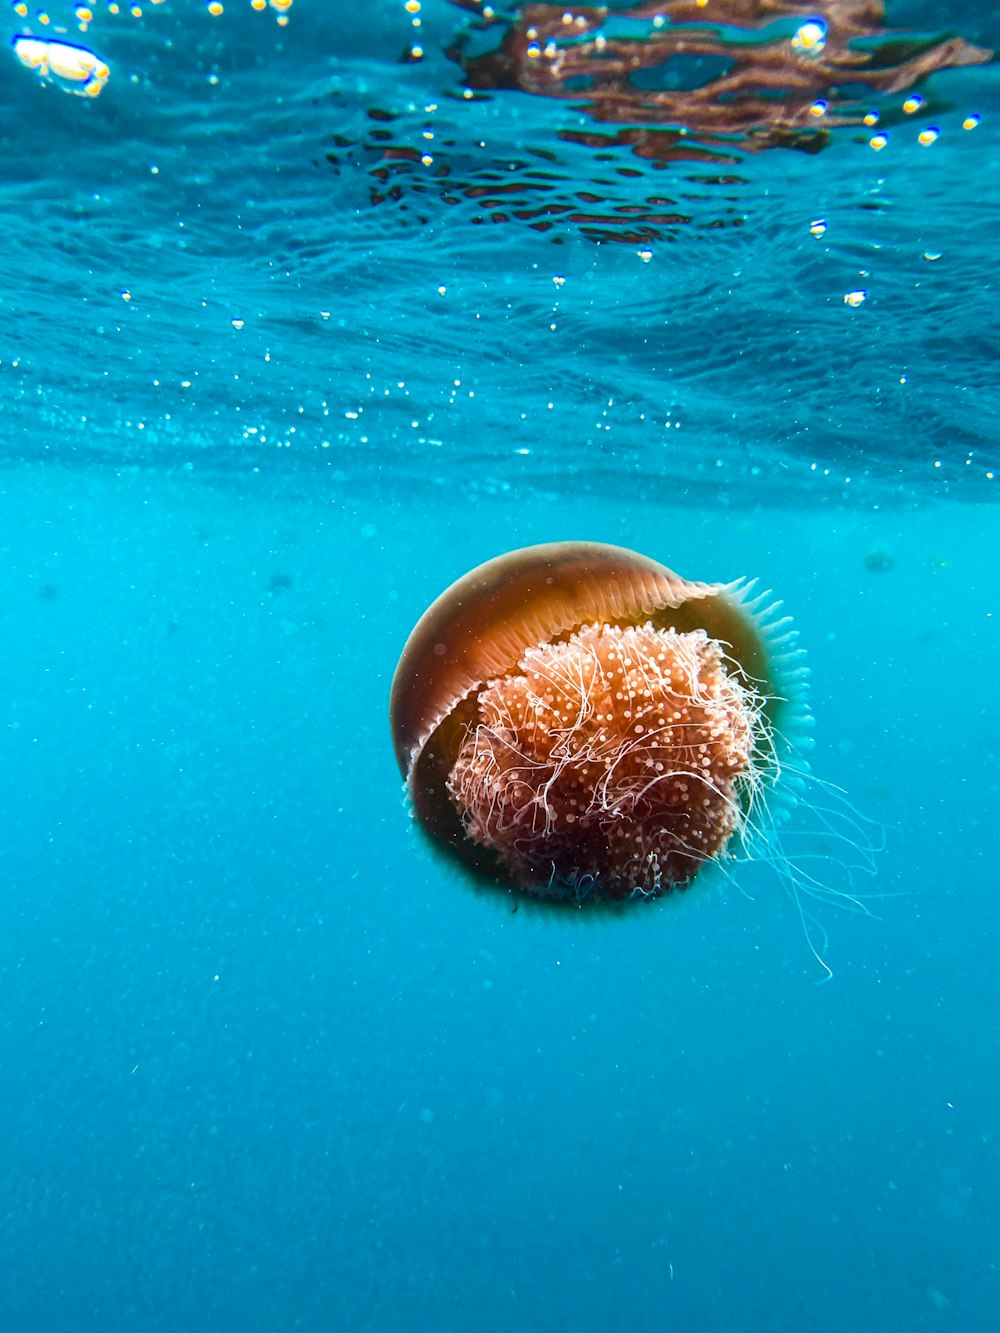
(578, 723)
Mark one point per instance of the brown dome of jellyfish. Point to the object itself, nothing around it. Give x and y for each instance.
(577, 722)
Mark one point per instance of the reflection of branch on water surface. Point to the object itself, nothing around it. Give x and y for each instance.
(689, 76)
(681, 81)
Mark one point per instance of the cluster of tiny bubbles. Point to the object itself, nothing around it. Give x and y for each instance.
(85, 14)
(855, 297)
(926, 135)
(415, 51)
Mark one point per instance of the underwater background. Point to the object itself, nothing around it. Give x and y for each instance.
(271, 381)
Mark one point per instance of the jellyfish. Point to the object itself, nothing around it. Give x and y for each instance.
(577, 723)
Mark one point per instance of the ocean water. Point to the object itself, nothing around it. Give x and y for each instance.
(271, 381)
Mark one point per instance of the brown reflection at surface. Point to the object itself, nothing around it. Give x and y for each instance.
(777, 69)
(695, 83)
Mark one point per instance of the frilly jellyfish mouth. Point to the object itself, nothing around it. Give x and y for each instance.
(611, 765)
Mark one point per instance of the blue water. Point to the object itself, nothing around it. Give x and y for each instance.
(266, 1062)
